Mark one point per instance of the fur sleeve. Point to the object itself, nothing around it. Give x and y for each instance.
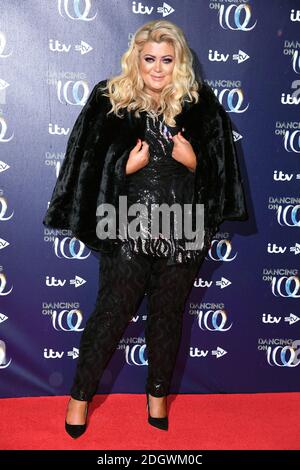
(79, 165)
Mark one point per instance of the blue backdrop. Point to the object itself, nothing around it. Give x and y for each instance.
(241, 322)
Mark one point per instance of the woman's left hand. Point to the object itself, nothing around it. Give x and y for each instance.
(183, 152)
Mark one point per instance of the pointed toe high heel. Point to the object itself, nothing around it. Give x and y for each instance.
(160, 423)
(76, 430)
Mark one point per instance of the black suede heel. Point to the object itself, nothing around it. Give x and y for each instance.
(76, 430)
(160, 423)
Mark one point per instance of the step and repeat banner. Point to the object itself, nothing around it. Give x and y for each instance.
(241, 322)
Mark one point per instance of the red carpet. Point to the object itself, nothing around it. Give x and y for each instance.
(118, 421)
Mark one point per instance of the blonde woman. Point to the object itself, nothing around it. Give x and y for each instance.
(144, 135)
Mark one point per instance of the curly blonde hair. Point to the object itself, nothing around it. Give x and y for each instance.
(127, 89)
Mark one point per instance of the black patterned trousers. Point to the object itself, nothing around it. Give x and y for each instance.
(124, 279)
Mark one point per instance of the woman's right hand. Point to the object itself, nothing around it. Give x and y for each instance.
(138, 157)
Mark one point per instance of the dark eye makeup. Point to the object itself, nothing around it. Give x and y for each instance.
(168, 61)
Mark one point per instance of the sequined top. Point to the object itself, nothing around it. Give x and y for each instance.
(162, 180)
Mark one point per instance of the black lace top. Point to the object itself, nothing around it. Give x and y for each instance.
(162, 180)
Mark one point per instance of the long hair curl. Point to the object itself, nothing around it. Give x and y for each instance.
(127, 89)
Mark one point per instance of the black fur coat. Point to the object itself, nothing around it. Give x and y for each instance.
(93, 170)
